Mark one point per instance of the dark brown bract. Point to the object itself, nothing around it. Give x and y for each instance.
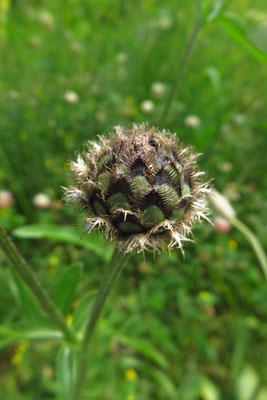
(141, 187)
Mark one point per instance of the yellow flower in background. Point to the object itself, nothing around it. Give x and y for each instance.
(204, 295)
(69, 319)
(131, 375)
(5, 5)
(53, 261)
(17, 357)
(232, 244)
(130, 397)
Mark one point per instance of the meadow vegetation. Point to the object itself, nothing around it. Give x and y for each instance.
(175, 328)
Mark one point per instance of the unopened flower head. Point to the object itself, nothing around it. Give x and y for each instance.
(46, 19)
(71, 97)
(147, 106)
(140, 187)
(158, 89)
(192, 121)
(41, 200)
(6, 199)
(221, 204)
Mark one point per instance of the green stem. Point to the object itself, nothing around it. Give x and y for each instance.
(181, 69)
(116, 265)
(30, 279)
(253, 241)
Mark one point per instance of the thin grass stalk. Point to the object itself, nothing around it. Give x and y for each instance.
(114, 269)
(28, 276)
(255, 244)
(181, 69)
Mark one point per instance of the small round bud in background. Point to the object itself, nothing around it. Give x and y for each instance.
(147, 106)
(6, 199)
(42, 201)
(47, 20)
(192, 121)
(221, 225)
(122, 58)
(221, 204)
(71, 97)
(158, 89)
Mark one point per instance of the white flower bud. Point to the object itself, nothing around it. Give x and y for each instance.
(71, 97)
(222, 204)
(158, 89)
(41, 200)
(192, 121)
(147, 106)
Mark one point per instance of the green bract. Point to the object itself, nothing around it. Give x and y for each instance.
(141, 186)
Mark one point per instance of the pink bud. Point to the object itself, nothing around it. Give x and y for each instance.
(6, 199)
(221, 225)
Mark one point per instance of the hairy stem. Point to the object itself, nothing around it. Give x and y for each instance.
(253, 241)
(116, 265)
(181, 69)
(30, 279)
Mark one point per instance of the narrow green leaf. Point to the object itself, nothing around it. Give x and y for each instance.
(146, 348)
(65, 370)
(29, 305)
(199, 7)
(81, 313)
(11, 335)
(217, 10)
(66, 286)
(238, 33)
(214, 76)
(247, 384)
(167, 385)
(65, 234)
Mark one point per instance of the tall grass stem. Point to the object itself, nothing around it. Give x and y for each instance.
(30, 279)
(255, 244)
(113, 270)
(181, 69)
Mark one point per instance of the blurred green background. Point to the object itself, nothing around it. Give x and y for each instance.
(188, 329)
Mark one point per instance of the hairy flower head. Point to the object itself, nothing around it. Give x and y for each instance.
(140, 187)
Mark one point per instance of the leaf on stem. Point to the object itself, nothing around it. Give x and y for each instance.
(66, 286)
(238, 33)
(65, 370)
(64, 234)
(27, 302)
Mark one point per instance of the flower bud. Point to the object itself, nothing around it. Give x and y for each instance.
(221, 204)
(6, 199)
(141, 187)
(221, 225)
(71, 97)
(192, 121)
(147, 106)
(41, 200)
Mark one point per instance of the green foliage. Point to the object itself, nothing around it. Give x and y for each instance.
(63, 234)
(29, 308)
(174, 328)
(66, 286)
(64, 369)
